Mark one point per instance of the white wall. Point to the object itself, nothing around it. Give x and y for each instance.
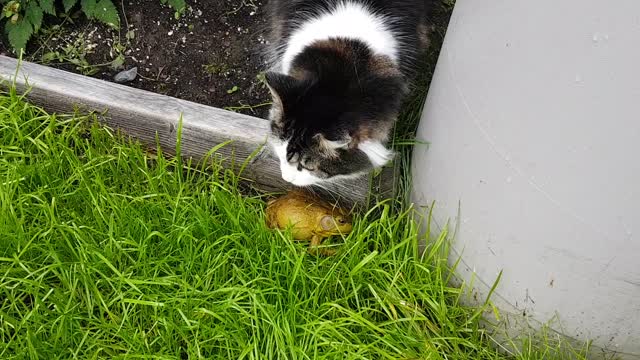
(534, 122)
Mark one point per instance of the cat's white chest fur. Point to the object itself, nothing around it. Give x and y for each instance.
(347, 20)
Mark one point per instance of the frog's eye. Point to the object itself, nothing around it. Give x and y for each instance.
(327, 222)
(341, 221)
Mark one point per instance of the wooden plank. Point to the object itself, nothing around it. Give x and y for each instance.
(145, 115)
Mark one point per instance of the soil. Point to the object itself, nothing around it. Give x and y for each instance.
(212, 54)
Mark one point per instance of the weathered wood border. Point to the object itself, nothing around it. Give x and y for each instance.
(145, 115)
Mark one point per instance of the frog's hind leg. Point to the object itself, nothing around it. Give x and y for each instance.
(315, 249)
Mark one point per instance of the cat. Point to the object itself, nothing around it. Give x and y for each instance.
(339, 73)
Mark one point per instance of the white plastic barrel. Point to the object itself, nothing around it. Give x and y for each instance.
(533, 120)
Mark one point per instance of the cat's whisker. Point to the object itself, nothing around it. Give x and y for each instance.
(333, 189)
(320, 186)
(314, 189)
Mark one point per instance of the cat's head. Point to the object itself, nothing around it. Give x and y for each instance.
(332, 115)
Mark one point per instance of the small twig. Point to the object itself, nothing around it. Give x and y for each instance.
(147, 78)
(159, 73)
(124, 14)
(235, 11)
(246, 107)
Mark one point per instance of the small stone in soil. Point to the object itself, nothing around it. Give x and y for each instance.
(126, 75)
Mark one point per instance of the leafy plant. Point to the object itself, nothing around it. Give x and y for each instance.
(178, 5)
(75, 53)
(23, 18)
(232, 90)
(215, 68)
(262, 79)
(74, 48)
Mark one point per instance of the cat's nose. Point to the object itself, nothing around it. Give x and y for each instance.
(287, 174)
(288, 177)
(296, 177)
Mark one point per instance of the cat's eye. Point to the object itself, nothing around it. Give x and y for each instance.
(305, 167)
(292, 157)
(307, 164)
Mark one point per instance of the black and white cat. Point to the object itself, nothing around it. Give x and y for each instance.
(340, 73)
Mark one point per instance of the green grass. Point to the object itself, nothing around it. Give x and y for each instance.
(108, 253)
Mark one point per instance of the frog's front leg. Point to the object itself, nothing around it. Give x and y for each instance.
(316, 241)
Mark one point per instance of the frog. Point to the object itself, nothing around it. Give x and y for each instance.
(311, 218)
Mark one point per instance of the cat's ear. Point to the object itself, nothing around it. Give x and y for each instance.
(282, 86)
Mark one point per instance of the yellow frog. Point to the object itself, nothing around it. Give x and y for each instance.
(310, 217)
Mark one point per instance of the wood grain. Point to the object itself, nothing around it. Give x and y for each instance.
(145, 115)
